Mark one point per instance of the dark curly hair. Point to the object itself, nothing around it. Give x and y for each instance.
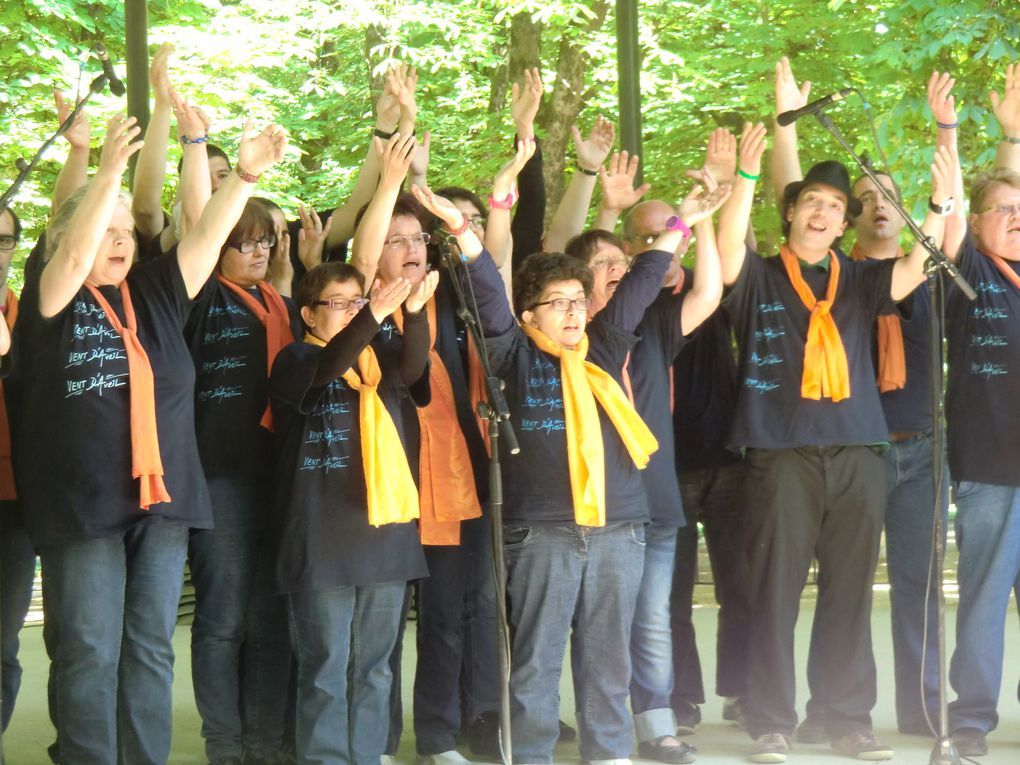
(540, 270)
(314, 282)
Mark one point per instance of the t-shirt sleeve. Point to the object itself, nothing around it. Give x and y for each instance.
(742, 290)
(876, 278)
(493, 308)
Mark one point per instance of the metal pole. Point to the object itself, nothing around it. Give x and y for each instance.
(628, 67)
(136, 45)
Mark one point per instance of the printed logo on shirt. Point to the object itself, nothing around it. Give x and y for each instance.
(98, 383)
(222, 365)
(227, 333)
(325, 464)
(220, 393)
(991, 288)
(79, 358)
(771, 307)
(761, 386)
(768, 360)
(215, 311)
(988, 370)
(327, 436)
(546, 426)
(983, 341)
(100, 332)
(81, 308)
(989, 314)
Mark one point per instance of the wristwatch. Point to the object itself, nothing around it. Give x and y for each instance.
(943, 209)
(674, 223)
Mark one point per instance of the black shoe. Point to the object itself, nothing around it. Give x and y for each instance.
(674, 754)
(970, 742)
(811, 731)
(482, 736)
(53, 750)
(566, 732)
(688, 716)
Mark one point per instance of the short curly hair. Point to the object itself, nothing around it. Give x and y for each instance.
(540, 270)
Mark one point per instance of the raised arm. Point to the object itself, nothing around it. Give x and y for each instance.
(568, 220)
(785, 156)
(414, 354)
(504, 195)
(199, 250)
(76, 252)
(736, 213)
(74, 173)
(943, 108)
(395, 159)
(150, 170)
(908, 272)
(618, 190)
(703, 298)
(195, 186)
(1007, 112)
(312, 237)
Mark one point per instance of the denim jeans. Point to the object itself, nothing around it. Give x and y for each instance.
(651, 649)
(583, 582)
(222, 561)
(343, 638)
(456, 638)
(713, 497)
(115, 600)
(988, 537)
(17, 572)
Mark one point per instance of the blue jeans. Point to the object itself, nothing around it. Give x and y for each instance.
(581, 578)
(222, 561)
(343, 638)
(651, 647)
(456, 637)
(115, 600)
(17, 572)
(988, 537)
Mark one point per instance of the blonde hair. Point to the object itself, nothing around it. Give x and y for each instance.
(62, 217)
(984, 183)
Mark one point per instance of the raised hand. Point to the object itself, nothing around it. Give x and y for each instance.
(942, 174)
(1007, 106)
(261, 150)
(191, 122)
(387, 108)
(940, 98)
(788, 95)
(439, 206)
(159, 76)
(700, 204)
(421, 294)
(720, 156)
(384, 300)
(311, 237)
(506, 179)
(403, 82)
(420, 159)
(524, 103)
(281, 270)
(80, 132)
(752, 146)
(593, 150)
(395, 157)
(618, 190)
(119, 144)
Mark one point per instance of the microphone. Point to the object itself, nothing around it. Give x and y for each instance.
(788, 118)
(116, 86)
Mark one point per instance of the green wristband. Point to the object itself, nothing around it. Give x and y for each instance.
(749, 177)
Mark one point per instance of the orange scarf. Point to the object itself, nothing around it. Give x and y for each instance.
(1003, 266)
(445, 470)
(825, 367)
(584, 383)
(275, 319)
(392, 495)
(146, 464)
(7, 489)
(892, 362)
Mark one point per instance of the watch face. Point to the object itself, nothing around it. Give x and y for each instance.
(672, 223)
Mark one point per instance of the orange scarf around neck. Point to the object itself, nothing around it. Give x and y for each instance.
(146, 464)
(892, 361)
(826, 372)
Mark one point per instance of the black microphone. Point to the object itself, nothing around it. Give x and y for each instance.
(788, 118)
(116, 86)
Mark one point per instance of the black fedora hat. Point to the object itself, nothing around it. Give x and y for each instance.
(828, 173)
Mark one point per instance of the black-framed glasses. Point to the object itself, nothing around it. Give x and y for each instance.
(249, 245)
(565, 304)
(409, 240)
(478, 221)
(8, 242)
(342, 304)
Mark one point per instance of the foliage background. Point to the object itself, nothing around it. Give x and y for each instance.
(315, 67)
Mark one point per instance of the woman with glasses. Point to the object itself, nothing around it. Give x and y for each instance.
(238, 325)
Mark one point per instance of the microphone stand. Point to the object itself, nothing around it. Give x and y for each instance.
(25, 168)
(944, 751)
(497, 412)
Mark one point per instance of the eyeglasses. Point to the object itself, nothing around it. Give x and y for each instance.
(409, 240)
(342, 304)
(478, 221)
(1013, 209)
(565, 304)
(249, 245)
(8, 242)
(598, 263)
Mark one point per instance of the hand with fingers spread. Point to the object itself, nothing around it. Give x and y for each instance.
(403, 82)
(701, 204)
(720, 157)
(524, 103)
(119, 145)
(80, 132)
(261, 150)
(395, 157)
(383, 300)
(940, 99)
(618, 190)
(387, 108)
(311, 237)
(505, 182)
(281, 270)
(593, 150)
(788, 95)
(453, 219)
(423, 293)
(1007, 106)
(753, 141)
(159, 76)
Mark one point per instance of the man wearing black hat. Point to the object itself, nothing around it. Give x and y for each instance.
(811, 424)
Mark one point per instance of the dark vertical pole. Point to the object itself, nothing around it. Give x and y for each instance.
(136, 45)
(628, 67)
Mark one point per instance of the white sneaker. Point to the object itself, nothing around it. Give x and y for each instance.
(625, 761)
(452, 757)
(387, 759)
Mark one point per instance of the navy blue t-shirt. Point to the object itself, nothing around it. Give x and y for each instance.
(983, 394)
(771, 323)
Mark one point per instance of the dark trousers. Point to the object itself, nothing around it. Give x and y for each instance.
(17, 572)
(714, 497)
(812, 502)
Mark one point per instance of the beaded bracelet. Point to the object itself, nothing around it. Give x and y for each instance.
(187, 141)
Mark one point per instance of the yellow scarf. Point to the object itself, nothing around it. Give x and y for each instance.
(392, 495)
(826, 372)
(583, 383)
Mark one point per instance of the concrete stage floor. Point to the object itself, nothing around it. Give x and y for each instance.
(718, 743)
